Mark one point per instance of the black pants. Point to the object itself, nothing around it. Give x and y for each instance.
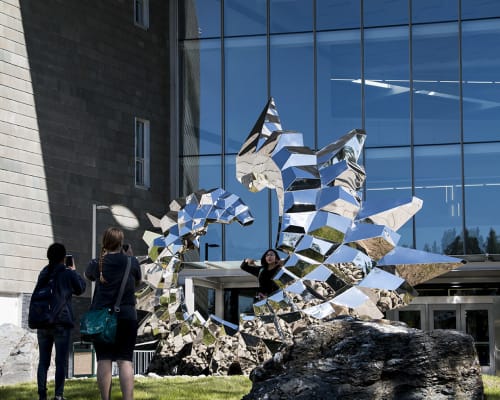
(60, 337)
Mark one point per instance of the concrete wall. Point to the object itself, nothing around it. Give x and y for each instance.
(73, 75)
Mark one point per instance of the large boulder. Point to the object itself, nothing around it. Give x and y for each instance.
(356, 360)
(18, 355)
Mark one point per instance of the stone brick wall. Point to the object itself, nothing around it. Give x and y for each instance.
(73, 76)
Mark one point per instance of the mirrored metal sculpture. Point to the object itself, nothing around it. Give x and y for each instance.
(181, 227)
(343, 254)
(342, 251)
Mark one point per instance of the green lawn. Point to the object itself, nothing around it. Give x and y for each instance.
(491, 387)
(178, 388)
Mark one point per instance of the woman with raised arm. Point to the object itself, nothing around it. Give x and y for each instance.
(270, 263)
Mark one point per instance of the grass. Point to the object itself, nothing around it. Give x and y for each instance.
(491, 387)
(175, 388)
(178, 388)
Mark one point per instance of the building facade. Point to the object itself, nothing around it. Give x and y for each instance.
(420, 76)
(84, 120)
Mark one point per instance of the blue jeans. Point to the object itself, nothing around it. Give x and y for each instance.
(60, 336)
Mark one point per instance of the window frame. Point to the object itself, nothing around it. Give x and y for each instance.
(141, 19)
(145, 181)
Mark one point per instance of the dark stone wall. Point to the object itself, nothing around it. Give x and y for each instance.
(92, 72)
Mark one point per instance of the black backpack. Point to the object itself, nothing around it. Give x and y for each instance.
(44, 309)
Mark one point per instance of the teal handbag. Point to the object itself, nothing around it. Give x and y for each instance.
(99, 326)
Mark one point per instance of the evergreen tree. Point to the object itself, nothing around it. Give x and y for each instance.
(492, 246)
(455, 247)
(449, 236)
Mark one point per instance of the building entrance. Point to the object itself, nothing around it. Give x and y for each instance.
(475, 319)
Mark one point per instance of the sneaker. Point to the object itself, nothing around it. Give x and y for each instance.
(59, 398)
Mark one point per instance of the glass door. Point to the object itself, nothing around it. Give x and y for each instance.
(473, 319)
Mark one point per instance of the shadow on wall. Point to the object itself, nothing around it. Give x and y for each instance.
(92, 72)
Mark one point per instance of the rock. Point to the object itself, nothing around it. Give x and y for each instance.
(357, 360)
(18, 355)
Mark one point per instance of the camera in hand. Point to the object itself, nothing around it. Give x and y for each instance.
(69, 260)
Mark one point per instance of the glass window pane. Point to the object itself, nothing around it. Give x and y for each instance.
(434, 11)
(237, 301)
(247, 241)
(387, 88)
(338, 14)
(483, 353)
(388, 178)
(438, 184)
(481, 86)
(385, 12)
(245, 85)
(292, 86)
(246, 299)
(291, 16)
(139, 172)
(201, 97)
(204, 301)
(213, 237)
(480, 8)
(199, 19)
(482, 195)
(436, 94)
(139, 139)
(203, 173)
(445, 319)
(200, 173)
(243, 17)
(411, 318)
(476, 325)
(275, 218)
(339, 84)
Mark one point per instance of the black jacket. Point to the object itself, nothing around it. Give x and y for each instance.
(265, 277)
(105, 295)
(67, 283)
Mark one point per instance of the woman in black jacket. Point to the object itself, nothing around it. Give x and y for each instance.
(67, 283)
(270, 263)
(108, 272)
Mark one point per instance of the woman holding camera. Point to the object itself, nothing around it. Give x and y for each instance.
(107, 272)
(68, 282)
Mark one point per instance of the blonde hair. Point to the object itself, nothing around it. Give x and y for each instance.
(112, 240)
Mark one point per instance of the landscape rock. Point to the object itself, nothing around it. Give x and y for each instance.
(376, 360)
(18, 355)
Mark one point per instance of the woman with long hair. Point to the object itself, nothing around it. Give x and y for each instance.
(270, 263)
(107, 272)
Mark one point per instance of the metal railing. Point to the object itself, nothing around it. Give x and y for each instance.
(142, 358)
(86, 362)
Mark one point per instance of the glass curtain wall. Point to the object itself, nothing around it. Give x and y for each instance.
(421, 77)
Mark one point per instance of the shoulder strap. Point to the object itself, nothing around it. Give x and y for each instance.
(122, 287)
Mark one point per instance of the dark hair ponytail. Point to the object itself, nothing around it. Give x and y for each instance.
(56, 253)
